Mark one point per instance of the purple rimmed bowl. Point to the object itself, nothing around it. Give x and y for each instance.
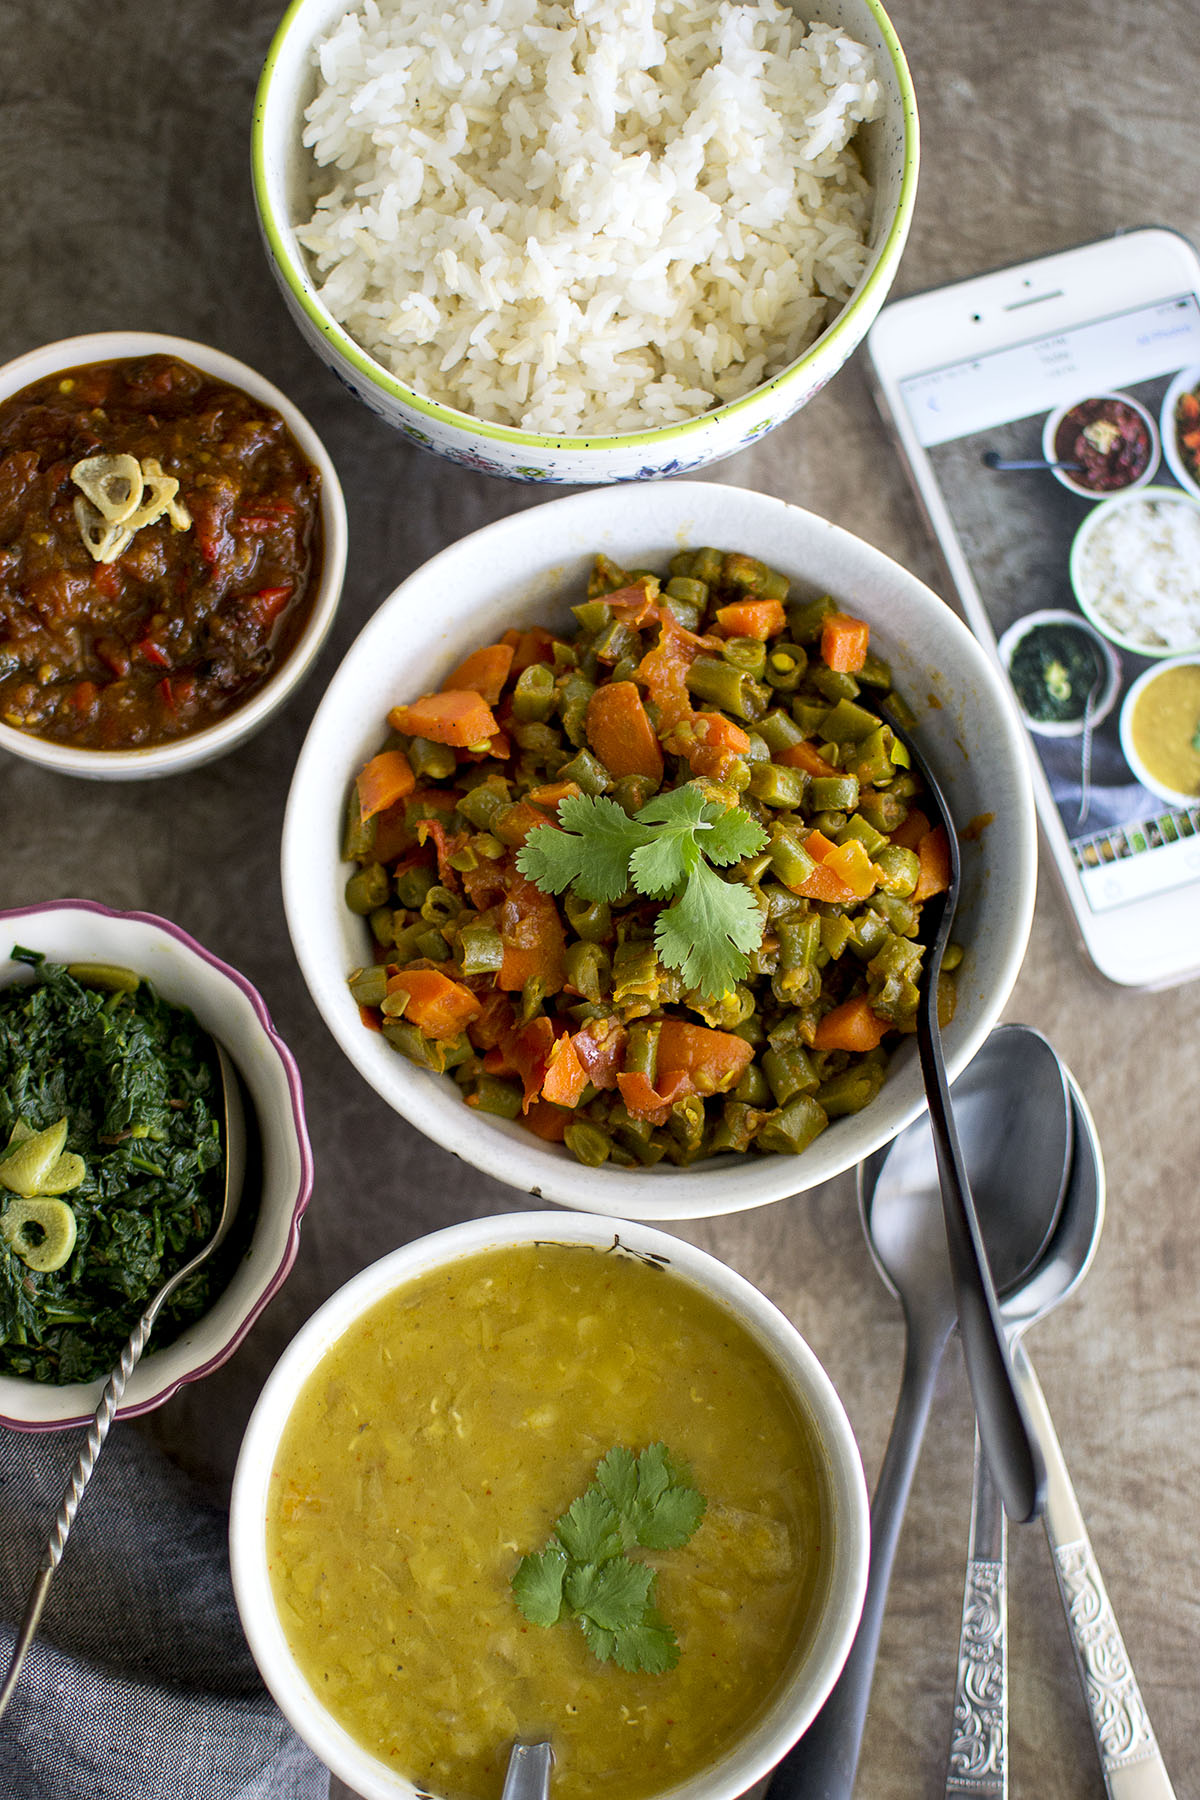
(229, 1008)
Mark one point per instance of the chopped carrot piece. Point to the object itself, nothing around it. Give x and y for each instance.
(844, 642)
(514, 823)
(484, 672)
(804, 756)
(547, 1121)
(633, 605)
(533, 646)
(850, 862)
(565, 1078)
(553, 792)
(645, 1101)
(824, 884)
(533, 937)
(620, 733)
(528, 1051)
(387, 778)
(437, 1006)
(600, 1047)
(714, 1060)
(850, 1026)
(915, 827)
(761, 619)
(933, 855)
(457, 716)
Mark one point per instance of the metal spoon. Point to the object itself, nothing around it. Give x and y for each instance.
(1016, 1118)
(1130, 1759)
(1004, 1427)
(234, 1133)
(528, 1776)
(993, 460)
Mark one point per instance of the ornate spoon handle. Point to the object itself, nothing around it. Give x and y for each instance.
(1130, 1759)
(978, 1765)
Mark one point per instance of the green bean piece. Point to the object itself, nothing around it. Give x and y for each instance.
(846, 723)
(615, 641)
(885, 811)
(383, 925)
(587, 772)
(369, 985)
(440, 906)
(533, 693)
(789, 1072)
(752, 1089)
(605, 577)
(786, 666)
(481, 949)
(752, 577)
(793, 1127)
(589, 919)
(757, 750)
(532, 995)
(807, 620)
(809, 716)
(573, 699)
(594, 615)
(871, 760)
(432, 944)
(413, 884)
(430, 761)
(638, 1137)
(776, 785)
(864, 833)
(875, 672)
(631, 792)
(587, 967)
(868, 932)
(833, 793)
(746, 653)
(688, 590)
(736, 1127)
(626, 668)
(427, 1053)
(641, 1052)
(898, 869)
(799, 940)
(479, 805)
(716, 681)
(851, 1089)
(367, 889)
(779, 731)
(404, 943)
(706, 566)
(539, 739)
(728, 1012)
(831, 824)
(500, 1098)
(683, 611)
(358, 839)
(901, 912)
(833, 683)
(905, 786)
(780, 901)
(836, 932)
(587, 1143)
(902, 712)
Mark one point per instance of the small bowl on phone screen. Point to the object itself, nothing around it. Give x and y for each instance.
(1110, 437)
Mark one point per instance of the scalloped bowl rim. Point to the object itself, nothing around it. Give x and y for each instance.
(273, 1085)
(226, 734)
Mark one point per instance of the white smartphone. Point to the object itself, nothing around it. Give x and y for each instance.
(1090, 359)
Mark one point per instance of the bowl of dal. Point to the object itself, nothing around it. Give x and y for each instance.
(644, 251)
(1160, 730)
(549, 1398)
(529, 570)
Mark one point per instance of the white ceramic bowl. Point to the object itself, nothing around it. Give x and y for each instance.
(281, 177)
(216, 740)
(845, 1503)
(532, 567)
(1050, 433)
(1137, 574)
(1173, 796)
(230, 1009)
(1016, 634)
(1186, 382)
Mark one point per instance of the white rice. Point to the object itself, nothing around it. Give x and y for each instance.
(1139, 571)
(591, 217)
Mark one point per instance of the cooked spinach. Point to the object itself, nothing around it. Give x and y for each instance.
(137, 1081)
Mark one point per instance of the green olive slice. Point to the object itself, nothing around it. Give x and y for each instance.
(41, 1232)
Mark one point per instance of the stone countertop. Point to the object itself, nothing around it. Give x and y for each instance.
(126, 202)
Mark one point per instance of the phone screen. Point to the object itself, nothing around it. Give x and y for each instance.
(1132, 826)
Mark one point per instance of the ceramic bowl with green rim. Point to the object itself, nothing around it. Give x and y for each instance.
(287, 183)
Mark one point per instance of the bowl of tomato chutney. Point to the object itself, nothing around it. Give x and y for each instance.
(172, 550)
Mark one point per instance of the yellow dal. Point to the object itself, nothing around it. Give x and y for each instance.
(1166, 719)
(438, 1442)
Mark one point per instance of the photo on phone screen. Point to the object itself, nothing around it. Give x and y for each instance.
(1089, 577)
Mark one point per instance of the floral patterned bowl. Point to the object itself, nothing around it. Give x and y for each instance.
(891, 161)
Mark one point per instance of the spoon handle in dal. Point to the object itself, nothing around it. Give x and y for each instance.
(978, 1763)
(822, 1766)
(1130, 1759)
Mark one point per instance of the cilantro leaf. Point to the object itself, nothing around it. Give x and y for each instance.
(734, 835)
(591, 853)
(537, 1584)
(648, 1648)
(707, 932)
(658, 1506)
(589, 1531)
(673, 1520)
(613, 1595)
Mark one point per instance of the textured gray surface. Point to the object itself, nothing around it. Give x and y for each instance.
(126, 201)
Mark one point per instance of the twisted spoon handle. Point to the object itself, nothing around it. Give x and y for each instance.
(978, 1765)
(1130, 1759)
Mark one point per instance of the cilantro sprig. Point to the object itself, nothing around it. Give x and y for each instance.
(585, 1574)
(666, 851)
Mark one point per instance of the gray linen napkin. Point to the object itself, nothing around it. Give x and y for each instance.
(140, 1685)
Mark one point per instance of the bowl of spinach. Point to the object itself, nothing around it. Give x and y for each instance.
(111, 1160)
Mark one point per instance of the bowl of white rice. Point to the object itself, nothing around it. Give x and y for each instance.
(1135, 569)
(599, 240)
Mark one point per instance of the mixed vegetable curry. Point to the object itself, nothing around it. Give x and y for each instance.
(653, 889)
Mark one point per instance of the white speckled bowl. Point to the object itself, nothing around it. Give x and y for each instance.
(228, 1007)
(531, 567)
(280, 187)
(795, 1703)
(215, 740)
